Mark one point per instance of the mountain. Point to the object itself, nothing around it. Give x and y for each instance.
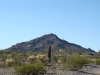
(41, 43)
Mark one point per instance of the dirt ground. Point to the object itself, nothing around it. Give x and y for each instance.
(86, 70)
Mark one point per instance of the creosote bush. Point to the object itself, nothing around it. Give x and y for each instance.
(76, 62)
(97, 61)
(34, 69)
(2, 64)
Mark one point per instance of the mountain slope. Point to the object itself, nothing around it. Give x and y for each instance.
(42, 43)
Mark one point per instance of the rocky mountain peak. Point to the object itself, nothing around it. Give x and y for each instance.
(41, 43)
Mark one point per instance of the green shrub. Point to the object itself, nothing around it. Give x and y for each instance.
(55, 59)
(2, 64)
(92, 60)
(34, 69)
(76, 61)
(98, 61)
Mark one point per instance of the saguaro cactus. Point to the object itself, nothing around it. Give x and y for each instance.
(49, 53)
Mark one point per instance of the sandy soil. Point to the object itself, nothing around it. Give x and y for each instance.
(86, 70)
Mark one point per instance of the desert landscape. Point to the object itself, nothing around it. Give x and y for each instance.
(52, 59)
(49, 37)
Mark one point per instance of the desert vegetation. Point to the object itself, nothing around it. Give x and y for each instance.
(37, 62)
(34, 68)
(75, 62)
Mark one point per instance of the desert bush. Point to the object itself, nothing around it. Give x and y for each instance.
(97, 61)
(55, 59)
(2, 64)
(76, 61)
(34, 69)
(18, 59)
(9, 56)
(92, 60)
(59, 61)
(4, 58)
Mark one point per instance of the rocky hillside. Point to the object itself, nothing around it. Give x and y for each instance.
(41, 43)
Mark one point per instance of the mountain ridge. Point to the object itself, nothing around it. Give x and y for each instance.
(41, 43)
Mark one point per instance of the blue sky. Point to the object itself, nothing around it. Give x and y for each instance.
(76, 21)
